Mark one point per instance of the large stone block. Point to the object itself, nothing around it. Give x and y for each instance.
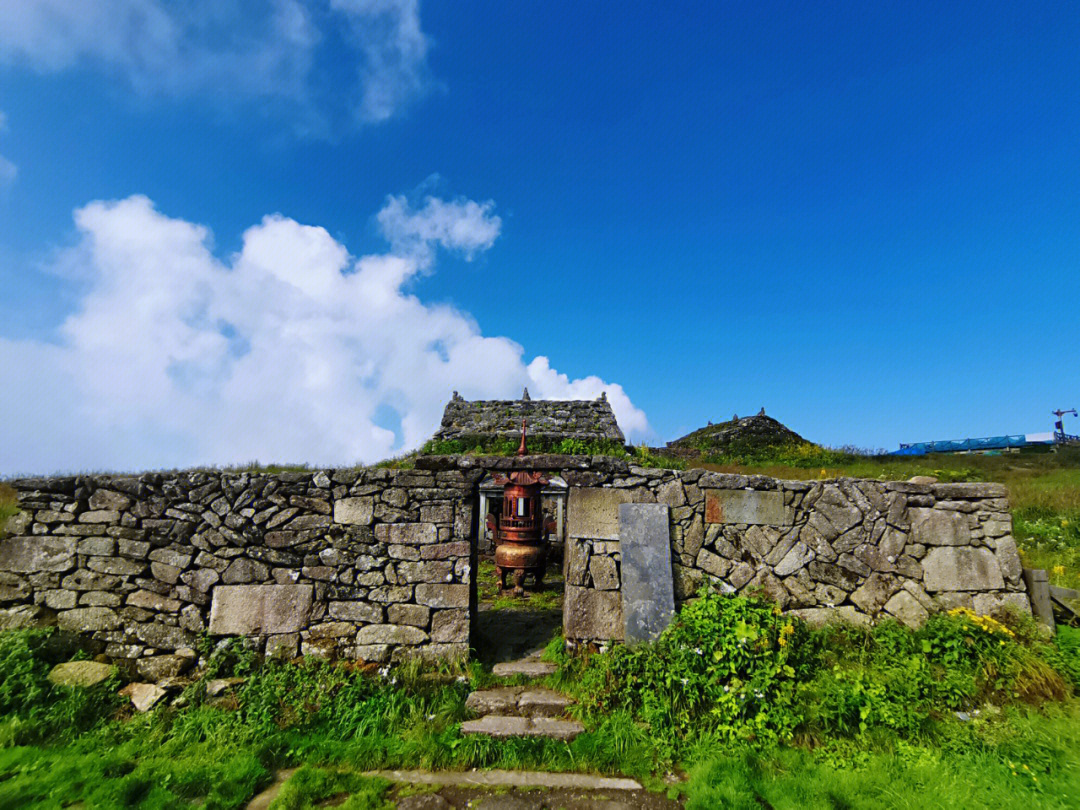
(872, 595)
(80, 673)
(259, 609)
(443, 596)
(450, 626)
(1008, 558)
(592, 614)
(163, 636)
(87, 620)
(605, 573)
(799, 555)
(989, 603)
(764, 508)
(357, 612)
(939, 527)
(32, 554)
(648, 600)
(593, 512)
(354, 511)
(390, 634)
(841, 514)
(107, 499)
(416, 615)
(961, 568)
(429, 571)
(407, 533)
(13, 588)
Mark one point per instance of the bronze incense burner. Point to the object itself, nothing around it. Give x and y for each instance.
(520, 547)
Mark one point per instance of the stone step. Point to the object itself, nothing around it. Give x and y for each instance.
(529, 667)
(500, 726)
(523, 701)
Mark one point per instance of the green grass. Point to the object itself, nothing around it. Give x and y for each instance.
(60, 746)
(550, 598)
(1027, 760)
(310, 787)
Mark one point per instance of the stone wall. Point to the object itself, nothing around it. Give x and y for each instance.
(378, 563)
(859, 549)
(374, 564)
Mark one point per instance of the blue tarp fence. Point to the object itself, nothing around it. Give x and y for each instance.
(960, 445)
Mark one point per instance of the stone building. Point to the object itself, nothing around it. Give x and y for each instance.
(550, 421)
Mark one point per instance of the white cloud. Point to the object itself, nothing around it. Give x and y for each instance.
(394, 68)
(289, 350)
(550, 384)
(462, 225)
(229, 48)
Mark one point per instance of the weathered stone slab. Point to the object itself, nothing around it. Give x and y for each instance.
(593, 512)
(443, 596)
(88, 620)
(390, 634)
(648, 600)
(961, 568)
(354, 511)
(80, 673)
(32, 554)
(936, 527)
(259, 609)
(592, 614)
(143, 696)
(499, 726)
(746, 506)
(537, 701)
(407, 533)
(529, 667)
(494, 778)
(500, 700)
(989, 603)
(907, 609)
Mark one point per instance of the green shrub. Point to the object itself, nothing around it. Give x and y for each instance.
(891, 678)
(33, 708)
(727, 667)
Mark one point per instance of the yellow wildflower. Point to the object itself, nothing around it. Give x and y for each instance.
(1059, 570)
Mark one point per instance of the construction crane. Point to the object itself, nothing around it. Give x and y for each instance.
(1060, 436)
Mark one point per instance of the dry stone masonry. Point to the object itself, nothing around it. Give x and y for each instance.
(377, 564)
(373, 564)
(854, 549)
(584, 420)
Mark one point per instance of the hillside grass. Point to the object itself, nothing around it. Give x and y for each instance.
(826, 718)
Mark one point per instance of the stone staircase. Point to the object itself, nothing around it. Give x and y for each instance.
(521, 711)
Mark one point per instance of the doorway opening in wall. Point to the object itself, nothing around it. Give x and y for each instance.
(509, 626)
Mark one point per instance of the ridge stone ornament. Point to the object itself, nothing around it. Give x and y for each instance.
(647, 585)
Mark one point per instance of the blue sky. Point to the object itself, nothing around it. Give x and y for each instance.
(863, 217)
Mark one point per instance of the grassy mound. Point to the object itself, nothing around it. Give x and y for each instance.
(749, 436)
